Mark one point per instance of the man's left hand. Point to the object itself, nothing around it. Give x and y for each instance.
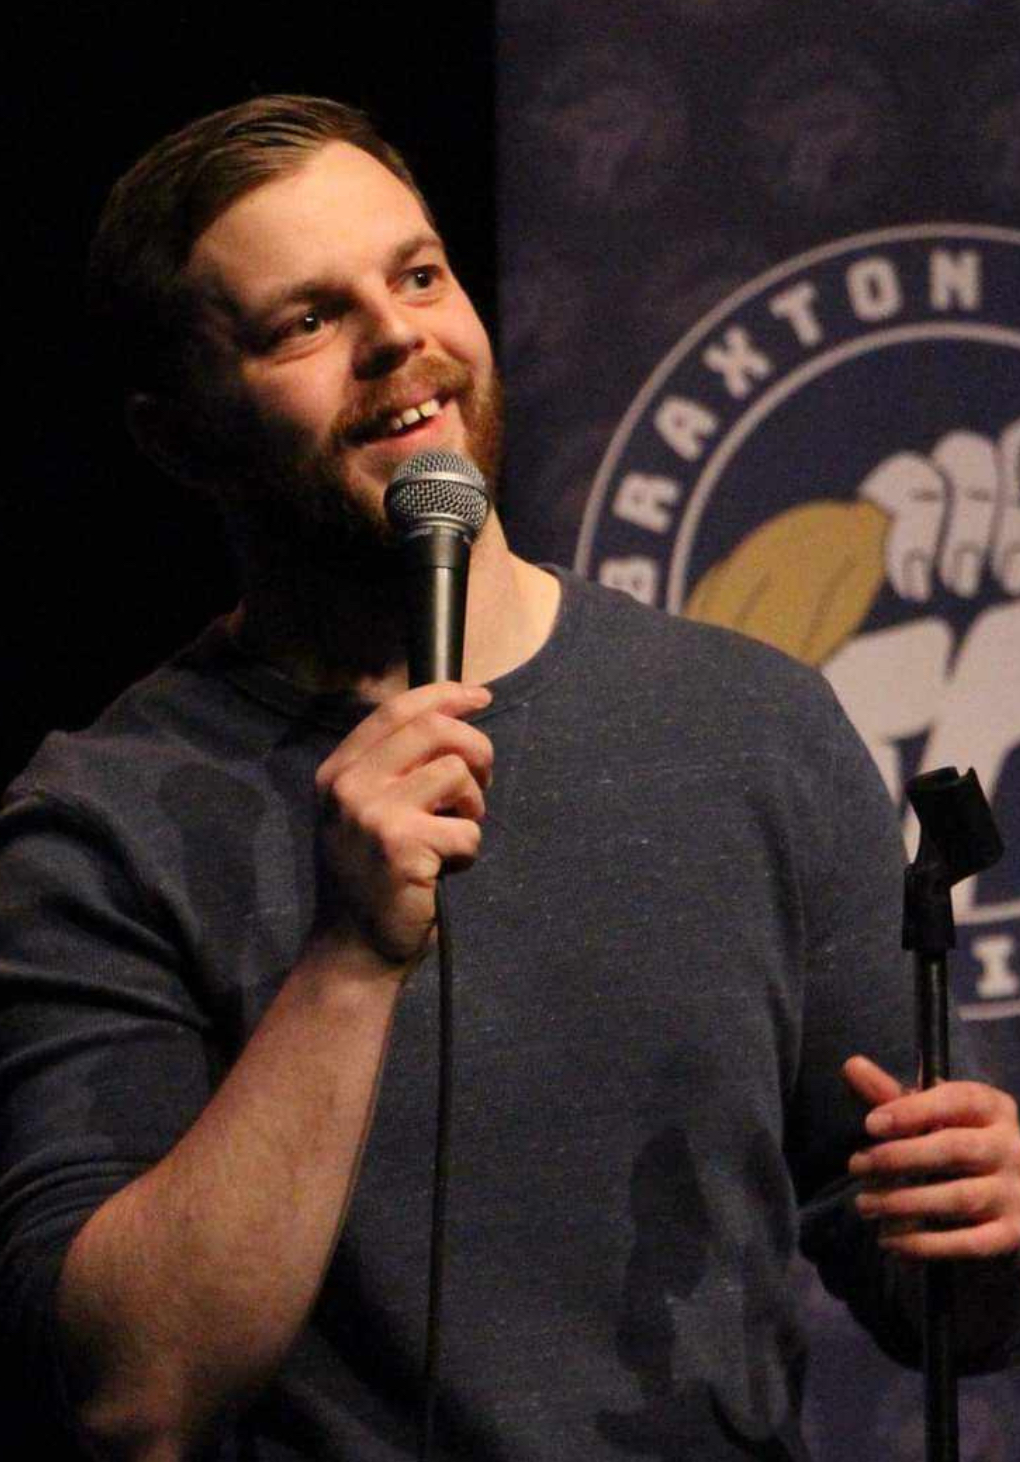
(943, 1176)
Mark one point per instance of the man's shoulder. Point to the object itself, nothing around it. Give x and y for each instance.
(183, 711)
(654, 652)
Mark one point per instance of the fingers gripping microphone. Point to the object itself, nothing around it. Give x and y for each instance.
(436, 503)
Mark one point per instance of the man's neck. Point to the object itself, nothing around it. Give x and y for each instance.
(331, 631)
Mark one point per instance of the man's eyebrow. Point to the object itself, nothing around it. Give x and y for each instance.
(425, 240)
(319, 286)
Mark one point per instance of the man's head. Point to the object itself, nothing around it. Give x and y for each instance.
(274, 293)
(158, 209)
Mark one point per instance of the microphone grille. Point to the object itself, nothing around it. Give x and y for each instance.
(437, 488)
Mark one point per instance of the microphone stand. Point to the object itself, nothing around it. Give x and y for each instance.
(958, 838)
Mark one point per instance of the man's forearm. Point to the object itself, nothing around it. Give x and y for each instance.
(184, 1291)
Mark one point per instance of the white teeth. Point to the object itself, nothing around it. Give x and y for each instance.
(414, 414)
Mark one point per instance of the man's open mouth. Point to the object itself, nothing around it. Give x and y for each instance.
(396, 423)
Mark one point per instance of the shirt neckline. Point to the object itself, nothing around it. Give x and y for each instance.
(339, 710)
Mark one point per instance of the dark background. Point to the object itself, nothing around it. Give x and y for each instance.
(107, 567)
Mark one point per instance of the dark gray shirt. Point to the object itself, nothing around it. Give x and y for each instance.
(684, 918)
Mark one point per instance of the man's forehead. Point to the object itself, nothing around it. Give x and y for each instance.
(338, 203)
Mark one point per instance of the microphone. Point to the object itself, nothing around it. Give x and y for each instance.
(436, 503)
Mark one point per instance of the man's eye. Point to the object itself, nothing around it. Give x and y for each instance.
(300, 327)
(423, 276)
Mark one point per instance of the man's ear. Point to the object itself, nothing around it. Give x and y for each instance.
(159, 427)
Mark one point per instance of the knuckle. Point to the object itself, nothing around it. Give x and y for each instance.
(880, 1159)
(411, 864)
(390, 834)
(970, 1201)
(349, 803)
(985, 1099)
(342, 786)
(986, 1154)
(478, 738)
(959, 1147)
(433, 724)
(977, 1243)
(394, 712)
(464, 849)
(465, 843)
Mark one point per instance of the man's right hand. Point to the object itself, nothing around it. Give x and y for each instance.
(402, 797)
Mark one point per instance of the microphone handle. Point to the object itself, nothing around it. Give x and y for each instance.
(436, 561)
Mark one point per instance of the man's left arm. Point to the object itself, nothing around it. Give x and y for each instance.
(859, 997)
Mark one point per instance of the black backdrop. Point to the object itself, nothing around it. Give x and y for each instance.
(105, 567)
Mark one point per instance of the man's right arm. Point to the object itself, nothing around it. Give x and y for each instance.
(184, 1291)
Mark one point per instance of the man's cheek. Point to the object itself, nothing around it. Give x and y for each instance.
(293, 423)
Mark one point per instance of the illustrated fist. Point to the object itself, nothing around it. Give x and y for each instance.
(402, 797)
(953, 514)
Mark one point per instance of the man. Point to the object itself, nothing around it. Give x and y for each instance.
(218, 907)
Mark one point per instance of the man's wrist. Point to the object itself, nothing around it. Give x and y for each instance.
(340, 960)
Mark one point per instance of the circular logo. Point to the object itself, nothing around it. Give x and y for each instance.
(830, 461)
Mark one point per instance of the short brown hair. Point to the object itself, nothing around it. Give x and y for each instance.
(158, 209)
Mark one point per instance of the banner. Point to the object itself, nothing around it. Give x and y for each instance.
(760, 305)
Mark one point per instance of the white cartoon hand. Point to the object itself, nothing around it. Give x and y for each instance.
(1006, 541)
(913, 494)
(968, 464)
(953, 513)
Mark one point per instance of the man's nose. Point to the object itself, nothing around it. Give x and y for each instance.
(388, 336)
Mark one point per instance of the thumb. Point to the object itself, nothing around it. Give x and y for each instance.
(870, 1082)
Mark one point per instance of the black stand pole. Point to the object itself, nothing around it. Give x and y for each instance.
(958, 838)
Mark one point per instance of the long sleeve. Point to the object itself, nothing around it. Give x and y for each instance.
(103, 1059)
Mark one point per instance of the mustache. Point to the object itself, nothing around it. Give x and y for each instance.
(380, 400)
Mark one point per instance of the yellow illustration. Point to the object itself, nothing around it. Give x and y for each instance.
(804, 581)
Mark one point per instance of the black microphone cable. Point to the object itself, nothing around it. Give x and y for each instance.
(440, 1176)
